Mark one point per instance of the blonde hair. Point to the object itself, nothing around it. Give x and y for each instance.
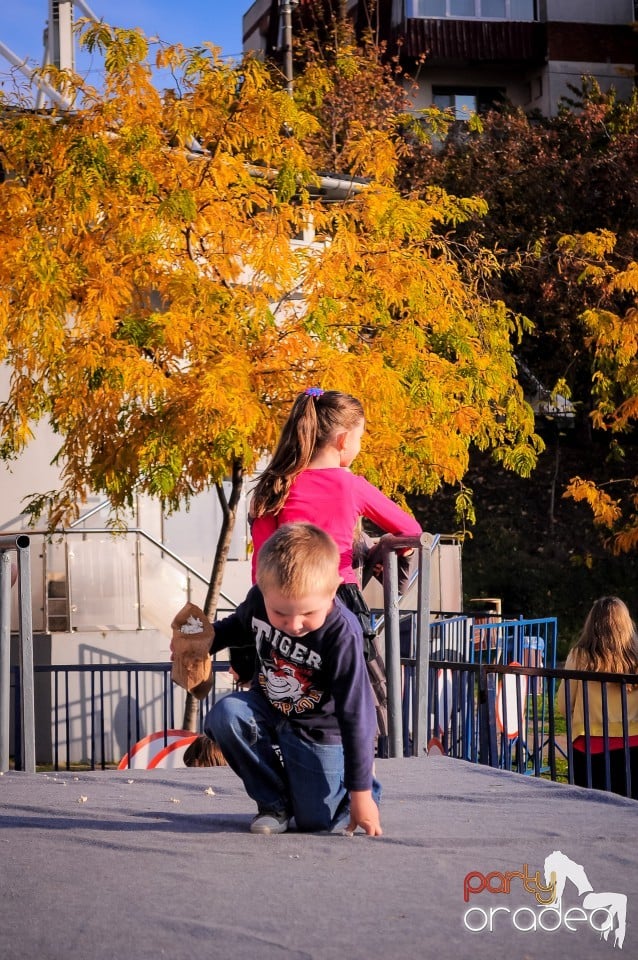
(314, 421)
(609, 641)
(299, 559)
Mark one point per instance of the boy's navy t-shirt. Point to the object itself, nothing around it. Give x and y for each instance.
(318, 681)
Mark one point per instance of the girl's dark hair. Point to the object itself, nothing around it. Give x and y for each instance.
(315, 419)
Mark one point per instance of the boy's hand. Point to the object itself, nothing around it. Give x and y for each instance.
(364, 813)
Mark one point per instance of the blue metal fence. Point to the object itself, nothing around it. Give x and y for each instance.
(528, 642)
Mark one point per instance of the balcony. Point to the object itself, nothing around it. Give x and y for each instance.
(473, 41)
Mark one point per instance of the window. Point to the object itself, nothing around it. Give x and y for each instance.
(480, 9)
(461, 8)
(463, 104)
(465, 101)
(493, 8)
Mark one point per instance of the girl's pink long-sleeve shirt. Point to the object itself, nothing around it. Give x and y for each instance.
(334, 499)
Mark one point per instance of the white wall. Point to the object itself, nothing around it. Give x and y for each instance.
(588, 11)
(32, 472)
(517, 88)
(560, 74)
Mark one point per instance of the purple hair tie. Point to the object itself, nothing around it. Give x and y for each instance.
(313, 392)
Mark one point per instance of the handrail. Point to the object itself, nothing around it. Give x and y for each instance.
(90, 513)
(8, 524)
(389, 545)
(63, 531)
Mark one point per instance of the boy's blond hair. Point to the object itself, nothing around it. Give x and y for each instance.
(299, 559)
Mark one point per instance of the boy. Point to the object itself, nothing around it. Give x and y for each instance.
(302, 737)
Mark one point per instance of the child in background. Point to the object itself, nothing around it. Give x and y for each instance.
(607, 644)
(308, 480)
(302, 737)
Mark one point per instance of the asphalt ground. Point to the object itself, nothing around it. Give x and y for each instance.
(137, 864)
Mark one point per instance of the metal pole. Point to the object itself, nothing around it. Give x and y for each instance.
(392, 652)
(26, 654)
(61, 33)
(286, 16)
(54, 95)
(86, 10)
(420, 705)
(5, 657)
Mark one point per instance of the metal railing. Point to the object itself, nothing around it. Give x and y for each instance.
(97, 712)
(598, 762)
(506, 716)
(64, 579)
(527, 642)
(485, 713)
(19, 543)
(390, 546)
(63, 535)
(451, 686)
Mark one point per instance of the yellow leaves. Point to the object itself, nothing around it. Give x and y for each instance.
(156, 295)
(626, 280)
(619, 516)
(597, 243)
(454, 210)
(371, 153)
(606, 511)
(122, 48)
(626, 414)
(626, 540)
(613, 341)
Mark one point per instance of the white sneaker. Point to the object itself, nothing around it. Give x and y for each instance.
(270, 821)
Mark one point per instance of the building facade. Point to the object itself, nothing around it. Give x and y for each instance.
(469, 54)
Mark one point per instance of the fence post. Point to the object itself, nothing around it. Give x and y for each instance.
(5, 657)
(488, 746)
(392, 652)
(420, 705)
(20, 543)
(27, 697)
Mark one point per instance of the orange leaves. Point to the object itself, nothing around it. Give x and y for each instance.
(370, 153)
(611, 327)
(605, 509)
(162, 296)
(618, 516)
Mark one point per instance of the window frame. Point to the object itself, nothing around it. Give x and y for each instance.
(413, 5)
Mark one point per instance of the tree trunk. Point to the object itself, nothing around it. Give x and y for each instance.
(229, 511)
(554, 484)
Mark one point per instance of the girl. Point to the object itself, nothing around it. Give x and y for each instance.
(308, 480)
(607, 644)
(305, 480)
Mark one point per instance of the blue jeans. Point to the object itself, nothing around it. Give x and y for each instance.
(280, 770)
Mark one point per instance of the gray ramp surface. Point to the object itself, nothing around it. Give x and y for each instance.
(149, 864)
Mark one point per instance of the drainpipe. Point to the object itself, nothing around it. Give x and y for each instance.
(285, 7)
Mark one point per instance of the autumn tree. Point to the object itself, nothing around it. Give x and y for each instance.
(610, 329)
(542, 178)
(561, 200)
(150, 285)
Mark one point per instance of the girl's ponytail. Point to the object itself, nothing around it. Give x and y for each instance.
(293, 453)
(315, 419)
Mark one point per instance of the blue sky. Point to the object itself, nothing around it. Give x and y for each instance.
(190, 22)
